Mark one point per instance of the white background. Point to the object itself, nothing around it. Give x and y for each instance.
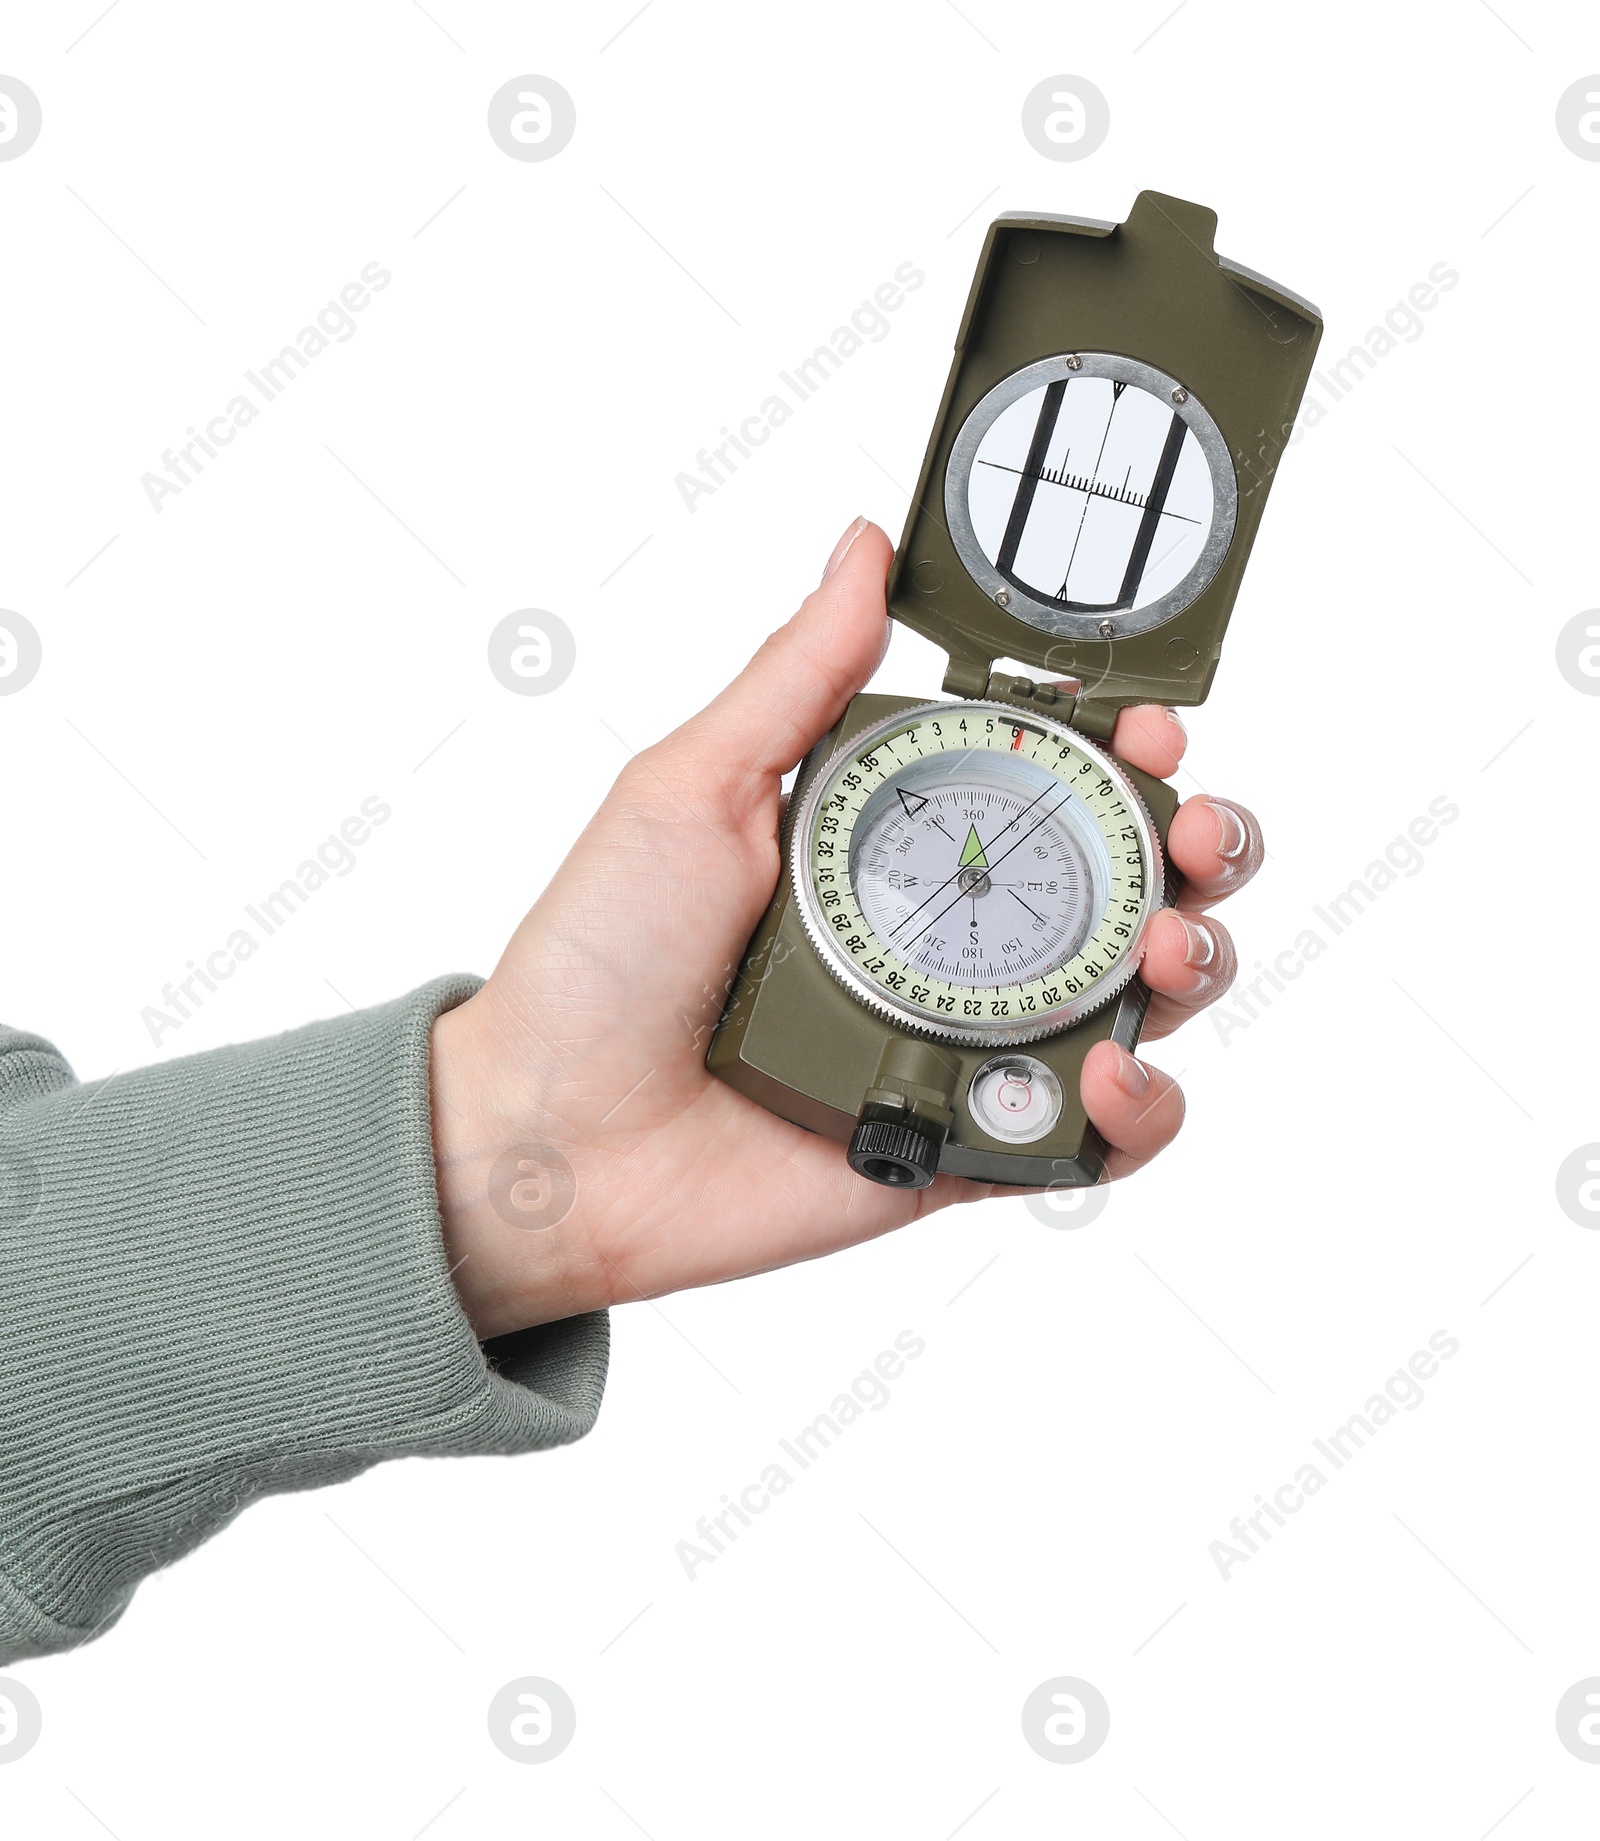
(1363, 1164)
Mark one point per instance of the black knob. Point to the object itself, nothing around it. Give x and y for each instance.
(901, 1155)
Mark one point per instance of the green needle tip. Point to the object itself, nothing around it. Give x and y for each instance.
(972, 851)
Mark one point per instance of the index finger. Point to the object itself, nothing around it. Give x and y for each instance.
(1151, 737)
(1148, 736)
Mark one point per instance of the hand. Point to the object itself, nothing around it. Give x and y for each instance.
(590, 1037)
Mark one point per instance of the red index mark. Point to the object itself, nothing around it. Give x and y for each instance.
(1016, 740)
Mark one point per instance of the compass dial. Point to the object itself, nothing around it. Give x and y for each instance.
(976, 872)
(1091, 495)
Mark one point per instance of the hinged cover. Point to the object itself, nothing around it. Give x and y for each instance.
(1218, 358)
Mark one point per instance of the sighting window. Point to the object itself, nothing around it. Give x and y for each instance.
(1090, 489)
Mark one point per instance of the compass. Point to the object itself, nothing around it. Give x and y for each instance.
(975, 873)
(968, 884)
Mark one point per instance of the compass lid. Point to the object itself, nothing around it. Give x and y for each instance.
(1118, 405)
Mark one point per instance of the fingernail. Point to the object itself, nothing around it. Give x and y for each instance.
(1132, 1076)
(1177, 722)
(1200, 943)
(1232, 838)
(843, 545)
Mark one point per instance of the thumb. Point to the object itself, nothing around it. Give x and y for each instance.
(796, 687)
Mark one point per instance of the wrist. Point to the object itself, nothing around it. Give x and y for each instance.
(506, 1188)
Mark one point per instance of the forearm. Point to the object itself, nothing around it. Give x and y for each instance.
(225, 1277)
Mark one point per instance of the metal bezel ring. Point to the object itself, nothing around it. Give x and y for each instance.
(877, 997)
(1048, 616)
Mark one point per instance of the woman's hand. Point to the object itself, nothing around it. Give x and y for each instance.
(589, 1040)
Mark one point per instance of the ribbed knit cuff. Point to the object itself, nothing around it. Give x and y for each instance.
(224, 1277)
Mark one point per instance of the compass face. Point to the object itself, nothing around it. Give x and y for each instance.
(976, 872)
(1091, 495)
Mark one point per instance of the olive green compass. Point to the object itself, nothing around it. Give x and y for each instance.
(967, 884)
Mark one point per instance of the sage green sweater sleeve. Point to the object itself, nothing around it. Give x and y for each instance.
(224, 1277)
